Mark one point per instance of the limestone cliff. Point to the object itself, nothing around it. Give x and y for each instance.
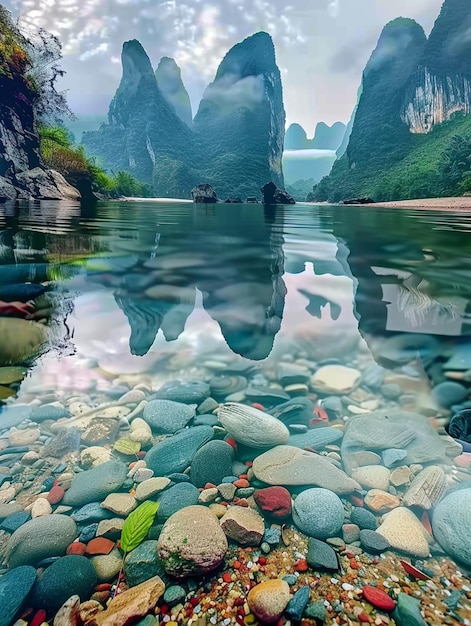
(169, 80)
(241, 118)
(144, 135)
(22, 174)
(441, 86)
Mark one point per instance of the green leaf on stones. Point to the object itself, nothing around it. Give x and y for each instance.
(127, 446)
(137, 524)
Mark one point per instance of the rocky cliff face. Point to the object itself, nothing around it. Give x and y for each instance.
(235, 142)
(22, 174)
(144, 135)
(441, 85)
(169, 80)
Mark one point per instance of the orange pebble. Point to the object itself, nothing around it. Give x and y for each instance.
(364, 617)
(356, 501)
(226, 577)
(237, 565)
(242, 483)
(210, 486)
(301, 565)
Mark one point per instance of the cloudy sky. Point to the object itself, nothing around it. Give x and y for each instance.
(322, 45)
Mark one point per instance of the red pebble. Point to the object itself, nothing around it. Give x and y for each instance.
(242, 483)
(55, 495)
(140, 455)
(356, 501)
(262, 560)
(354, 564)
(210, 486)
(249, 463)
(413, 571)
(301, 566)
(38, 618)
(164, 608)
(231, 442)
(274, 500)
(364, 617)
(240, 502)
(99, 545)
(103, 587)
(378, 598)
(257, 405)
(77, 547)
(194, 601)
(226, 577)
(426, 523)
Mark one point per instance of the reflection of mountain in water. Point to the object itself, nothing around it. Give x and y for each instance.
(410, 277)
(237, 269)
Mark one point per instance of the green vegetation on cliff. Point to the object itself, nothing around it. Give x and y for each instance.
(59, 153)
(411, 136)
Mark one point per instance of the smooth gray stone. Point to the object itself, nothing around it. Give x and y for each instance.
(363, 518)
(211, 463)
(92, 512)
(167, 417)
(392, 456)
(321, 556)
(184, 391)
(385, 429)
(318, 513)
(40, 538)
(143, 563)
(14, 414)
(95, 484)
(373, 542)
(15, 586)
(448, 393)
(175, 454)
(177, 497)
(70, 575)
(316, 438)
(451, 524)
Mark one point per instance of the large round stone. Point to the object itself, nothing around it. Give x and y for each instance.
(268, 600)
(252, 427)
(319, 513)
(71, 575)
(95, 484)
(40, 538)
(212, 463)
(451, 524)
(192, 542)
(15, 586)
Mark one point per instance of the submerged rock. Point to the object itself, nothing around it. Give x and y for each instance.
(252, 427)
(318, 513)
(95, 484)
(268, 600)
(15, 586)
(451, 523)
(192, 542)
(272, 195)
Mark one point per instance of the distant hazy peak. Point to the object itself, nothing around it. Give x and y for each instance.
(169, 80)
(134, 59)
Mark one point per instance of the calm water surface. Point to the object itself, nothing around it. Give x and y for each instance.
(257, 302)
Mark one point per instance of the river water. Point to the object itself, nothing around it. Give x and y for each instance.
(348, 327)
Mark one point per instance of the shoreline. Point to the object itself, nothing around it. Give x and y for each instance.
(462, 203)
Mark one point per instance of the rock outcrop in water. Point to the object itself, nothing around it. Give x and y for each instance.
(411, 86)
(169, 80)
(272, 195)
(236, 140)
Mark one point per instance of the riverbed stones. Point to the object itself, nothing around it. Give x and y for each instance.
(95, 484)
(15, 586)
(449, 393)
(40, 538)
(316, 438)
(268, 600)
(107, 566)
(243, 525)
(404, 532)
(131, 604)
(167, 417)
(70, 575)
(335, 379)
(373, 542)
(372, 476)
(175, 453)
(212, 463)
(276, 501)
(321, 556)
(176, 498)
(318, 513)
(120, 503)
(142, 563)
(252, 427)
(451, 523)
(188, 392)
(385, 429)
(290, 466)
(381, 501)
(151, 487)
(192, 542)
(427, 488)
